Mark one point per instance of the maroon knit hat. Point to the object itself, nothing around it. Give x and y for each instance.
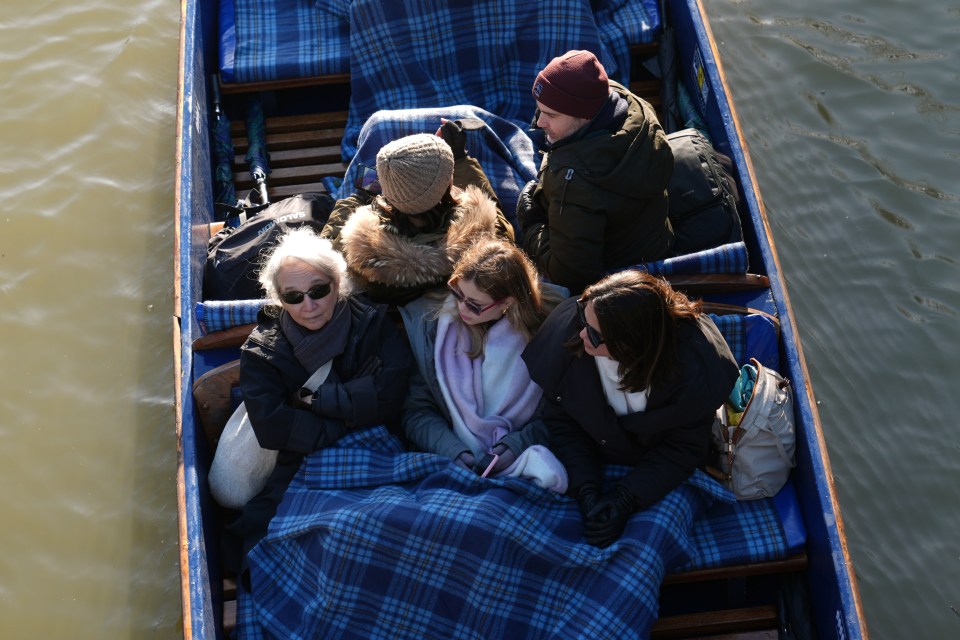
(574, 84)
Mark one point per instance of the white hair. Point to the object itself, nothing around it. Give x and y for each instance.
(305, 245)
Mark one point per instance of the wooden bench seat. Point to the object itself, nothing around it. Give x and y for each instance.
(303, 150)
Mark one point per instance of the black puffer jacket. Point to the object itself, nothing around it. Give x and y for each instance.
(270, 373)
(601, 201)
(664, 443)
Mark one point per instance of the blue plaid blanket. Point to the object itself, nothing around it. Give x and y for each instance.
(620, 24)
(216, 315)
(727, 258)
(505, 152)
(374, 542)
(435, 53)
(283, 39)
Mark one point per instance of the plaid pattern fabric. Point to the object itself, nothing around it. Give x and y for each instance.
(435, 53)
(283, 39)
(216, 315)
(622, 23)
(502, 149)
(727, 258)
(750, 336)
(372, 542)
(738, 533)
(733, 328)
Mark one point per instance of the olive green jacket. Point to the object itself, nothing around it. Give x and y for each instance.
(601, 201)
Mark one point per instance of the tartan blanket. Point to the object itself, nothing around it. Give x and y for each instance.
(216, 315)
(727, 258)
(504, 151)
(621, 23)
(373, 542)
(434, 53)
(283, 39)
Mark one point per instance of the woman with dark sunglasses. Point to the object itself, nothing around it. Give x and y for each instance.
(312, 318)
(472, 399)
(632, 373)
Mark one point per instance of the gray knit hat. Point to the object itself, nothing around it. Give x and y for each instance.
(415, 171)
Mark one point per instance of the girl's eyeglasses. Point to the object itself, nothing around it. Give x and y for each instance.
(316, 293)
(472, 307)
(592, 334)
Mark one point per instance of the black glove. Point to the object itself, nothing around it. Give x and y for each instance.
(528, 212)
(605, 522)
(302, 398)
(453, 134)
(587, 497)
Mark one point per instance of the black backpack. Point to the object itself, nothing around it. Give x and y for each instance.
(703, 194)
(233, 253)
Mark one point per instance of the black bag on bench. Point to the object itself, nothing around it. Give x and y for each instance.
(233, 253)
(703, 195)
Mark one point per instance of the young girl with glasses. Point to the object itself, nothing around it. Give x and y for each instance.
(472, 399)
(632, 373)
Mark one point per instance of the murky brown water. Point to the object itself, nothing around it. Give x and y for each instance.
(87, 448)
(853, 118)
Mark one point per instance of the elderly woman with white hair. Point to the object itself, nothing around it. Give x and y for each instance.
(313, 322)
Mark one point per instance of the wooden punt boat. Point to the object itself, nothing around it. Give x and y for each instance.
(304, 126)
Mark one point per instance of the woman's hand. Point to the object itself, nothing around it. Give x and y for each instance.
(506, 458)
(606, 520)
(465, 460)
(302, 398)
(587, 498)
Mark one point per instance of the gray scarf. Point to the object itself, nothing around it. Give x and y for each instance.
(313, 349)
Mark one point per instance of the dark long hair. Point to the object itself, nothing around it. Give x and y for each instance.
(639, 316)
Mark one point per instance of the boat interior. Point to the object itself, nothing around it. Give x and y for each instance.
(306, 118)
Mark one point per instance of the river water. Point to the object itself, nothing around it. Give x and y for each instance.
(852, 115)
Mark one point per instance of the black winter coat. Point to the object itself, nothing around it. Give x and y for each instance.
(601, 200)
(270, 373)
(665, 443)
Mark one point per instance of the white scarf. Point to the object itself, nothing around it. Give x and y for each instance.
(623, 402)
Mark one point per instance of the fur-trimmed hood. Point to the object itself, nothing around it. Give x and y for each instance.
(377, 255)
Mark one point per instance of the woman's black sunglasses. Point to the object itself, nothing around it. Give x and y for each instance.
(472, 307)
(316, 293)
(592, 334)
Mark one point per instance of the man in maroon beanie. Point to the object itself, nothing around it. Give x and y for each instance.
(600, 200)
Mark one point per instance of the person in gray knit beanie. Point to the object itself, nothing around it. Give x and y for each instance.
(434, 201)
(415, 172)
